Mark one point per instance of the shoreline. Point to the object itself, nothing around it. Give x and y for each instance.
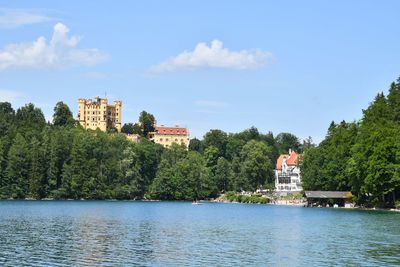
(278, 203)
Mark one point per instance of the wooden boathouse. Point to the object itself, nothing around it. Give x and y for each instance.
(331, 198)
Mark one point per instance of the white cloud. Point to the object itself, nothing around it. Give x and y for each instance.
(12, 18)
(214, 56)
(96, 75)
(60, 51)
(9, 95)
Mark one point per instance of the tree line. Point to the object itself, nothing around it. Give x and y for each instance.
(363, 156)
(61, 160)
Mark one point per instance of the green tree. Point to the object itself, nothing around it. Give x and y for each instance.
(286, 141)
(195, 145)
(63, 115)
(216, 138)
(256, 167)
(59, 149)
(133, 183)
(234, 146)
(18, 168)
(3, 165)
(223, 175)
(7, 117)
(30, 118)
(393, 100)
(324, 168)
(37, 178)
(164, 186)
(127, 128)
(147, 122)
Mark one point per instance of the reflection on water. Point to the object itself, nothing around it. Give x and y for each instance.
(95, 233)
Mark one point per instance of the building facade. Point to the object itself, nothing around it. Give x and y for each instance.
(166, 136)
(287, 173)
(97, 113)
(133, 137)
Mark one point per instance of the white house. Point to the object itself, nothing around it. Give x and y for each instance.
(287, 173)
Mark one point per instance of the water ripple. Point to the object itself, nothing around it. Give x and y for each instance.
(76, 233)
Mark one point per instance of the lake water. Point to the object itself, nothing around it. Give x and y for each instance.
(106, 233)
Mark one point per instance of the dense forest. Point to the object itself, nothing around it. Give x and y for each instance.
(61, 160)
(362, 157)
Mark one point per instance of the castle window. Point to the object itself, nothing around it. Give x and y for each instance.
(176, 139)
(161, 139)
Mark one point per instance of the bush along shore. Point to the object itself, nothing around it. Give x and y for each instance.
(233, 197)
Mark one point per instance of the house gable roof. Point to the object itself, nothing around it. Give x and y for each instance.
(291, 160)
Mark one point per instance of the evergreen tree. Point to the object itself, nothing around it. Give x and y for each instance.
(393, 100)
(29, 118)
(37, 179)
(18, 168)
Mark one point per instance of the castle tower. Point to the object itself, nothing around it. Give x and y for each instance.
(81, 112)
(118, 115)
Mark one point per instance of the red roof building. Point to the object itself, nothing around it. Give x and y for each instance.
(287, 173)
(292, 159)
(171, 130)
(166, 136)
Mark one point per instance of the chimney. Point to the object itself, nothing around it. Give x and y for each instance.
(290, 151)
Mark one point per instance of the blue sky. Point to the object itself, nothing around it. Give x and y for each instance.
(282, 66)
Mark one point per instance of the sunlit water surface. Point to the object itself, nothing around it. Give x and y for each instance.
(106, 233)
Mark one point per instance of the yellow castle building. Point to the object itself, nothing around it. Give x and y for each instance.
(97, 113)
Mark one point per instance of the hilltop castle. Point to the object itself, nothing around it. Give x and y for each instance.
(97, 113)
